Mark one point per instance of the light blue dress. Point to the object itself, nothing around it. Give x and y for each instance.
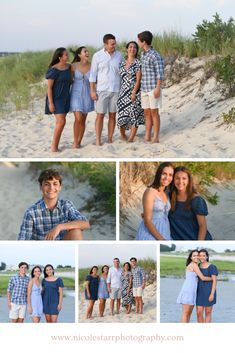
(160, 221)
(103, 289)
(80, 93)
(188, 293)
(36, 300)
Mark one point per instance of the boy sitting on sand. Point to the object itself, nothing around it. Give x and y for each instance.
(51, 218)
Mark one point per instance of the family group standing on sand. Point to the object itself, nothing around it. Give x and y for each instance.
(110, 85)
(199, 287)
(125, 286)
(172, 207)
(37, 297)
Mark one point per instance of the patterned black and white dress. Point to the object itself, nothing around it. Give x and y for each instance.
(129, 114)
(127, 297)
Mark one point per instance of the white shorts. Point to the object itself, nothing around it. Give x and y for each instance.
(148, 101)
(138, 292)
(107, 102)
(18, 311)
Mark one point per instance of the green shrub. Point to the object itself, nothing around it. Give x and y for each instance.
(229, 118)
(225, 72)
(212, 37)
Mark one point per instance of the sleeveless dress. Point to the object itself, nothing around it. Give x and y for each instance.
(204, 287)
(60, 90)
(80, 93)
(36, 300)
(160, 221)
(103, 289)
(127, 298)
(50, 295)
(188, 291)
(129, 113)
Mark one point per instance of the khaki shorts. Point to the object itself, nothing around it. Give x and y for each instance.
(148, 101)
(106, 103)
(116, 293)
(18, 311)
(138, 292)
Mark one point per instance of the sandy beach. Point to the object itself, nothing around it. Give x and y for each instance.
(19, 189)
(149, 314)
(191, 126)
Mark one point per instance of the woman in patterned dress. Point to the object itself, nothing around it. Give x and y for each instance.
(130, 113)
(127, 293)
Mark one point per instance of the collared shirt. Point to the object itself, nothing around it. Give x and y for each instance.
(138, 276)
(18, 286)
(39, 220)
(152, 69)
(105, 70)
(114, 277)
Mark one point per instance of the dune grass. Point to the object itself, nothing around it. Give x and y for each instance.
(148, 264)
(21, 74)
(175, 266)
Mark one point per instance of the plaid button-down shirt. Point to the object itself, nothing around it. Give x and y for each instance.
(18, 286)
(138, 276)
(39, 220)
(152, 69)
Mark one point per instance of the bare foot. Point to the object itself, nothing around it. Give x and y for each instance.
(97, 143)
(123, 137)
(74, 146)
(55, 149)
(154, 140)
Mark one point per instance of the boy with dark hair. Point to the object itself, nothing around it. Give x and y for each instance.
(152, 76)
(138, 284)
(17, 294)
(52, 218)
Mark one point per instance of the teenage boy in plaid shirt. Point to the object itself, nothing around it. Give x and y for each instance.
(52, 218)
(152, 66)
(138, 275)
(17, 294)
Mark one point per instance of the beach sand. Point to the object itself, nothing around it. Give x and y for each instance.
(191, 127)
(19, 190)
(149, 312)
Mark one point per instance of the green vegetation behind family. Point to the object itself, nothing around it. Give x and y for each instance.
(148, 264)
(69, 283)
(22, 74)
(173, 265)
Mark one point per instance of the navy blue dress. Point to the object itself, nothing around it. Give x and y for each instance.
(50, 296)
(60, 90)
(183, 223)
(93, 286)
(204, 287)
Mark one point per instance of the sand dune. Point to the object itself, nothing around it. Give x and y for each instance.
(191, 126)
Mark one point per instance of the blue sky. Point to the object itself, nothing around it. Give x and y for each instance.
(47, 24)
(101, 254)
(38, 253)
